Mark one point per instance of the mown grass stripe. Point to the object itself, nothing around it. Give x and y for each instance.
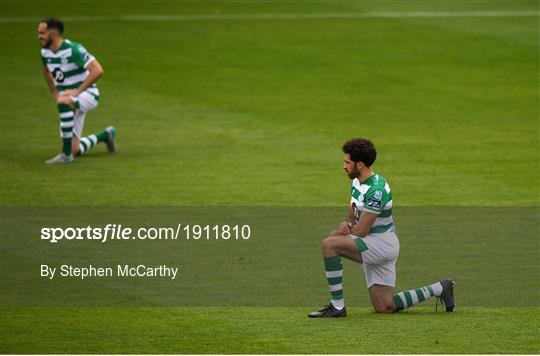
(286, 16)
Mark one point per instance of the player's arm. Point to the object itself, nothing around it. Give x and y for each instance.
(364, 225)
(374, 201)
(50, 82)
(95, 72)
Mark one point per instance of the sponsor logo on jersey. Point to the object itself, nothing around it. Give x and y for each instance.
(58, 75)
(84, 54)
(374, 204)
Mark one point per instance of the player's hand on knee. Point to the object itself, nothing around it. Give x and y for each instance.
(345, 228)
(63, 98)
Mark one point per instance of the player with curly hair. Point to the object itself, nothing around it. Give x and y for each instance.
(369, 237)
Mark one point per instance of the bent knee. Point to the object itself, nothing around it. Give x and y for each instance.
(328, 241)
(75, 147)
(328, 245)
(384, 309)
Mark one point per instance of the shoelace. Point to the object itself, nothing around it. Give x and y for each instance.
(325, 308)
(439, 300)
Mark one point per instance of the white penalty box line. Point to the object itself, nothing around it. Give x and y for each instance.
(287, 16)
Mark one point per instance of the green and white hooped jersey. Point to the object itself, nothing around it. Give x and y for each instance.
(68, 66)
(373, 195)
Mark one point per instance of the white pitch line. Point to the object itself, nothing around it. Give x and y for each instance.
(286, 16)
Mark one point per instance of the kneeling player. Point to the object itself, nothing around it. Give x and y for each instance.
(368, 237)
(71, 73)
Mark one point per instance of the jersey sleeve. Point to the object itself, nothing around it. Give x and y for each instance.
(81, 56)
(375, 200)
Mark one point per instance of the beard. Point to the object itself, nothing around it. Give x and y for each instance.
(48, 43)
(354, 173)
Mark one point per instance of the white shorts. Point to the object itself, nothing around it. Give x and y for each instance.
(379, 253)
(87, 103)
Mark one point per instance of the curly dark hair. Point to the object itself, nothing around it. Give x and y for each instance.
(361, 150)
(54, 23)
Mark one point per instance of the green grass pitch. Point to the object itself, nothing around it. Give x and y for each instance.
(252, 112)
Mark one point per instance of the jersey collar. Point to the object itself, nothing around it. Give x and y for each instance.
(62, 46)
(369, 179)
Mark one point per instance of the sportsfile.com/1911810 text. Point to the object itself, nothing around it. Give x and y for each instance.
(121, 233)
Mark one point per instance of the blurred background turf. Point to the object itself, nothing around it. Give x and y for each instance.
(253, 112)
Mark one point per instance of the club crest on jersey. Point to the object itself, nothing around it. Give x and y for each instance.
(377, 195)
(64, 60)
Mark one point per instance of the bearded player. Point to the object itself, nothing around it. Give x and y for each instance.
(369, 237)
(71, 73)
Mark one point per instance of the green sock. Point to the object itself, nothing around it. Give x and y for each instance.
(409, 298)
(66, 127)
(334, 274)
(102, 136)
(90, 141)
